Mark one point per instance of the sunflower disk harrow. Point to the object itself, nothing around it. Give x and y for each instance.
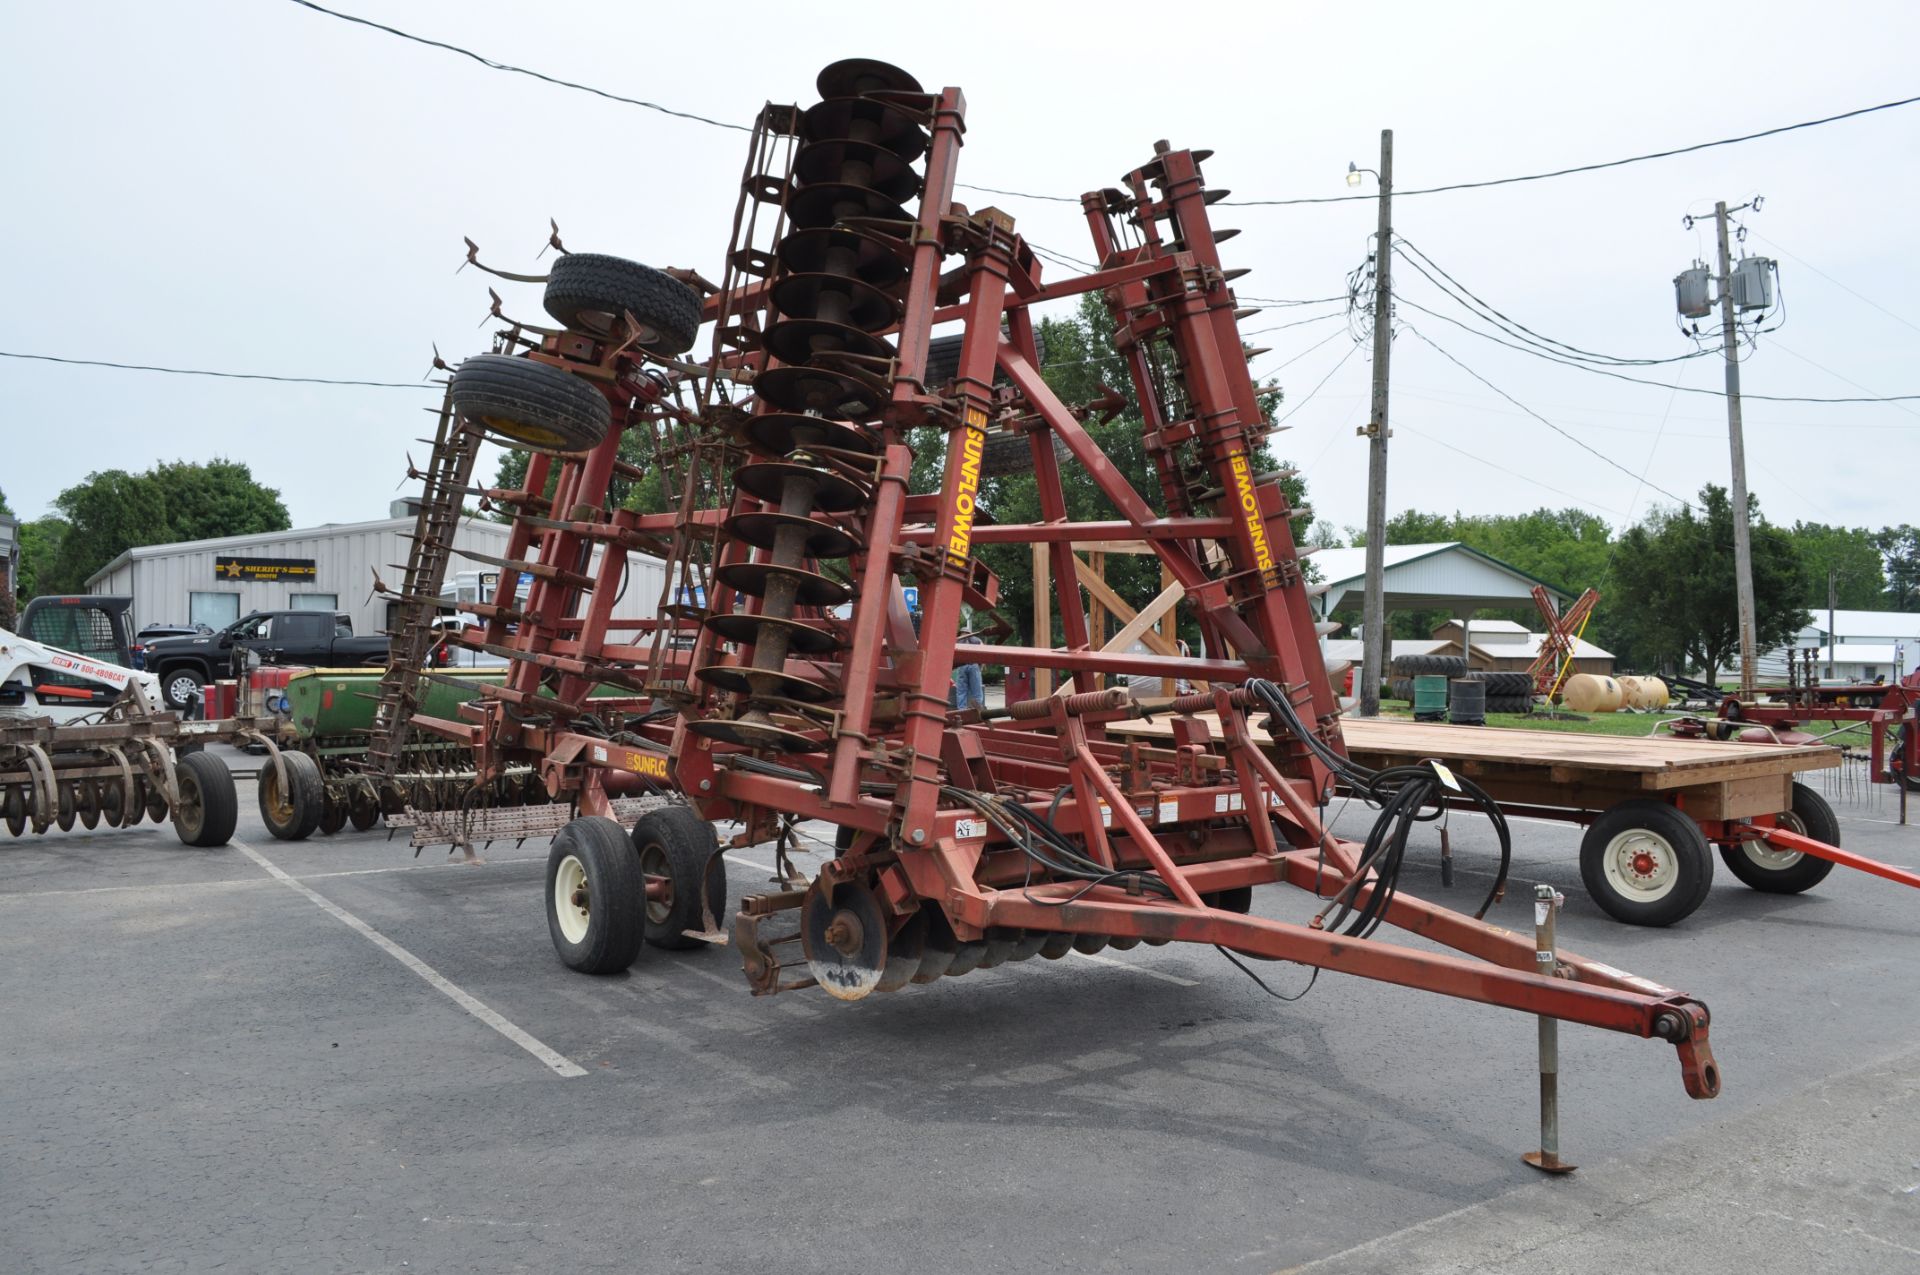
(785, 680)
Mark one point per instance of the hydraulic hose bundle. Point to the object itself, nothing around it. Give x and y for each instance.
(1404, 795)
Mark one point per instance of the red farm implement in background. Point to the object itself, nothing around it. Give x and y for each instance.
(785, 679)
(1549, 667)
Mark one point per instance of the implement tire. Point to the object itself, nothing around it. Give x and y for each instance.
(675, 844)
(1646, 863)
(591, 292)
(596, 897)
(1788, 871)
(209, 808)
(294, 814)
(530, 402)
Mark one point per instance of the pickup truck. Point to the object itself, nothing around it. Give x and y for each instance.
(314, 638)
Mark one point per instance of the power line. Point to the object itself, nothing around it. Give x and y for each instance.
(520, 70)
(1587, 168)
(1316, 389)
(1641, 380)
(1570, 437)
(230, 376)
(1074, 199)
(1280, 327)
(1512, 473)
(1785, 251)
(1513, 327)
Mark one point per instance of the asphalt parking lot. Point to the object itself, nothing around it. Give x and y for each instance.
(331, 1056)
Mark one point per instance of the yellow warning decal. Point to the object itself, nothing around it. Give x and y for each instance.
(973, 447)
(1248, 502)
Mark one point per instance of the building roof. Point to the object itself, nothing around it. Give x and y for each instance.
(1870, 624)
(1446, 574)
(1490, 626)
(1858, 653)
(273, 537)
(1350, 649)
(1582, 649)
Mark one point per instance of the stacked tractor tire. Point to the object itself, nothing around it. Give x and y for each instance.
(1506, 692)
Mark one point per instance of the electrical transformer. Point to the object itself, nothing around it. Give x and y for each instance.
(1752, 283)
(1690, 293)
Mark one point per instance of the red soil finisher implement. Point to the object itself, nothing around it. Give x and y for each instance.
(785, 679)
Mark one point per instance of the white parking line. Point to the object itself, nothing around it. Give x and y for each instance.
(555, 1061)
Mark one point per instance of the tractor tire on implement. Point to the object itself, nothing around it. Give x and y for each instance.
(294, 814)
(591, 293)
(1772, 871)
(596, 897)
(676, 845)
(531, 402)
(209, 808)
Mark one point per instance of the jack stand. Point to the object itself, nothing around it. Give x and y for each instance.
(1546, 903)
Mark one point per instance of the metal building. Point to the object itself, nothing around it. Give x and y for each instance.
(327, 568)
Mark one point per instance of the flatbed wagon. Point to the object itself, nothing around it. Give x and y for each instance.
(1655, 807)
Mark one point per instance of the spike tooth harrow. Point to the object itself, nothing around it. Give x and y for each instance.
(790, 683)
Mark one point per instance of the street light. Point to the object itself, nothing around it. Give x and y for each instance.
(1354, 171)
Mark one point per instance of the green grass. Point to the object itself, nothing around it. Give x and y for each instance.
(1627, 724)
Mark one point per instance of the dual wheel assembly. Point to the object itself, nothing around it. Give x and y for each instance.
(610, 892)
(1647, 863)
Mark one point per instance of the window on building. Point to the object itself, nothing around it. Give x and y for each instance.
(215, 610)
(313, 602)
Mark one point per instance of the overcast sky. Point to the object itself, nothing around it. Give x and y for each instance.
(246, 185)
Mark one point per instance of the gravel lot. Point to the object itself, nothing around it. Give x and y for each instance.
(332, 1056)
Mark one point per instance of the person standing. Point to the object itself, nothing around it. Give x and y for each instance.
(969, 682)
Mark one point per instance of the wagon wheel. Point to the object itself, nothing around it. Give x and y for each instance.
(1646, 863)
(1773, 871)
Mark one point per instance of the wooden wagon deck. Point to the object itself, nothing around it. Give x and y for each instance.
(1568, 771)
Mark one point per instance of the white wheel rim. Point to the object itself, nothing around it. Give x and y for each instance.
(1641, 865)
(1765, 857)
(183, 689)
(571, 906)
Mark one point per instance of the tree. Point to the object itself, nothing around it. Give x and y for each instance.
(39, 548)
(1675, 570)
(648, 495)
(1852, 558)
(113, 511)
(218, 498)
(1901, 547)
(1568, 548)
(1080, 365)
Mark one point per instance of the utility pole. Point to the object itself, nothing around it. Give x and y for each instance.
(1374, 610)
(1742, 537)
(1833, 601)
